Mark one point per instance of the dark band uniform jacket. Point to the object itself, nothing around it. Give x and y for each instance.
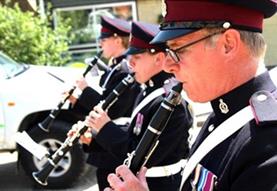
(108, 81)
(247, 160)
(173, 141)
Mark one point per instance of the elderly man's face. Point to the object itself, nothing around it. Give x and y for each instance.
(199, 68)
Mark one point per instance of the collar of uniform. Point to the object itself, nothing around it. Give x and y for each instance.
(156, 81)
(118, 59)
(230, 103)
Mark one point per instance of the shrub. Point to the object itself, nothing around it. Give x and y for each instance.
(29, 39)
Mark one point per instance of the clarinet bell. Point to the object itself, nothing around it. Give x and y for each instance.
(42, 175)
(45, 124)
(38, 177)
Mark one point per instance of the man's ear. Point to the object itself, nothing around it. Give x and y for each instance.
(119, 40)
(159, 58)
(231, 41)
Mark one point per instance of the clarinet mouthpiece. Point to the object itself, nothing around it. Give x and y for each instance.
(178, 87)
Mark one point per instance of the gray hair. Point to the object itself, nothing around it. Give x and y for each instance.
(254, 41)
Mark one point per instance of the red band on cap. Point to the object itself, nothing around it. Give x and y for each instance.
(106, 30)
(138, 43)
(212, 11)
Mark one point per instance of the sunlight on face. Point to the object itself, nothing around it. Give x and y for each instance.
(143, 65)
(108, 46)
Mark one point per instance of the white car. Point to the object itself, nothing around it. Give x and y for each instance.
(28, 94)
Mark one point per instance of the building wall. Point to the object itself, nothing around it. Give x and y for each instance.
(149, 10)
(270, 29)
(25, 5)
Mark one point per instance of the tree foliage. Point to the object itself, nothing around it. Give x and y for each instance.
(29, 38)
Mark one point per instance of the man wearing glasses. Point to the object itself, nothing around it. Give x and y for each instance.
(216, 50)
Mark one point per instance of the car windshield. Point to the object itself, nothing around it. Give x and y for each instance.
(9, 68)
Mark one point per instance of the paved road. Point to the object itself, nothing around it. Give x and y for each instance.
(12, 179)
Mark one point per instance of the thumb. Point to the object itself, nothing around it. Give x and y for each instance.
(142, 178)
(141, 174)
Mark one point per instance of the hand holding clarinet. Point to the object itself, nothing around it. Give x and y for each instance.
(96, 119)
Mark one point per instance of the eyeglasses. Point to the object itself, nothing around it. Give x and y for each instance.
(174, 53)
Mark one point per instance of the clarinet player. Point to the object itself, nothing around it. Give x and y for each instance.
(114, 37)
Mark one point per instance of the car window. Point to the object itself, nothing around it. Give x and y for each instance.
(9, 68)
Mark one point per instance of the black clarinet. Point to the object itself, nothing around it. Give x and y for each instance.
(149, 141)
(47, 122)
(100, 64)
(42, 175)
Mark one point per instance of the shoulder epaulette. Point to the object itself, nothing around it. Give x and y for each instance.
(121, 63)
(264, 106)
(125, 66)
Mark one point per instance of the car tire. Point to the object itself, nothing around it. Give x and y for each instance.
(68, 170)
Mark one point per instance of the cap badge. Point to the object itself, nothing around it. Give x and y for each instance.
(152, 50)
(164, 11)
(223, 106)
(226, 25)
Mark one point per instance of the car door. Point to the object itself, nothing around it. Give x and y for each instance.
(3, 78)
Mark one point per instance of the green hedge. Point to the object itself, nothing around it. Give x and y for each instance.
(30, 39)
